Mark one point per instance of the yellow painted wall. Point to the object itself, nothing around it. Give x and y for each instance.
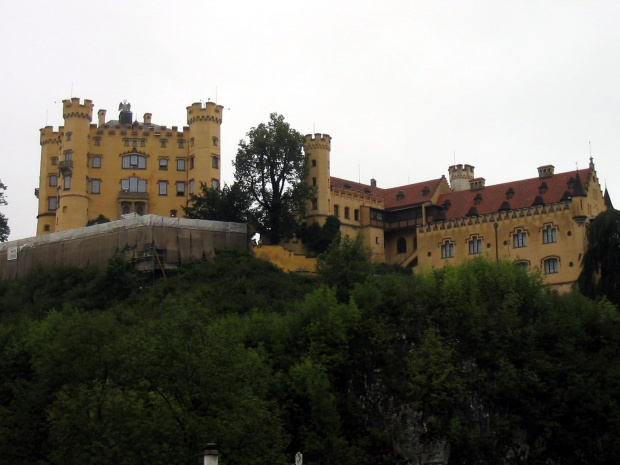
(285, 259)
(200, 141)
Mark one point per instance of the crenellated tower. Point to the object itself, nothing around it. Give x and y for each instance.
(317, 148)
(73, 199)
(204, 122)
(460, 176)
(48, 179)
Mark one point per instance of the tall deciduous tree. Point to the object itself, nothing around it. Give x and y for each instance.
(4, 222)
(228, 204)
(271, 166)
(600, 274)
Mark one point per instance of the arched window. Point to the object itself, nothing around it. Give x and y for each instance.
(552, 265)
(401, 245)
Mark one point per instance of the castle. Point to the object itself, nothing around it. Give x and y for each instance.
(540, 223)
(123, 166)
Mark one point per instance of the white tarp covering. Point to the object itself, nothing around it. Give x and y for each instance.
(126, 223)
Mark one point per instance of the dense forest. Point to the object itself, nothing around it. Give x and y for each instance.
(361, 364)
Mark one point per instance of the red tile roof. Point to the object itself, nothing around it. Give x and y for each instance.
(413, 194)
(525, 193)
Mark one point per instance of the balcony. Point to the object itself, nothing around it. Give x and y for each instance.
(126, 195)
(66, 165)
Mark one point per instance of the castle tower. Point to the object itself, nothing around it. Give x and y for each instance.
(460, 176)
(317, 148)
(73, 198)
(204, 145)
(48, 180)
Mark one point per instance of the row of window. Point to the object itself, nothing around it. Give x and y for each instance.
(142, 142)
(550, 265)
(347, 212)
(138, 162)
(132, 184)
(549, 236)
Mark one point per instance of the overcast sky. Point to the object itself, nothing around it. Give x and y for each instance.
(403, 87)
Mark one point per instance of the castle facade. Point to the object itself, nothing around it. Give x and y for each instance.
(540, 223)
(122, 166)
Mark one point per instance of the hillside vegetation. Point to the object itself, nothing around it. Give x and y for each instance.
(361, 365)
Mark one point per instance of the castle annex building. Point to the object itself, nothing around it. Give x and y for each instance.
(122, 166)
(540, 223)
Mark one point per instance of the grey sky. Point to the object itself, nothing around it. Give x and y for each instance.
(400, 86)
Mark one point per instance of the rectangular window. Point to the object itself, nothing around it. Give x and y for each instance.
(173, 213)
(52, 203)
(313, 162)
(67, 182)
(125, 185)
(180, 164)
(181, 144)
(549, 235)
(163, 164)
(215, 162)
(315, 204)
(180, 188)
(314, 181)
(163, 187)
(191, 163)
(336, 211)
(95, 186)
(97, 142)
(475, 246)
(53, 180)
(134, 143)
(215, 184)
(68, 155)
(126, 141)
(69, 135)
(346, 213)
(54, 160)
(356, 215)
(191, 142)
(142, 143)
(551, 266)
(447, 250)
(96, 162)
(164, 143)
(191, 186)
(215, 141)
(519, 239)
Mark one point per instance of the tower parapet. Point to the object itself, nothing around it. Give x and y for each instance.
(208, 111)
(460, 176)
(74, 109)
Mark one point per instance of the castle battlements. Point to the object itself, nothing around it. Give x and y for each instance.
(475, 221)
(74, 109)
(208, 111)
(318, 141)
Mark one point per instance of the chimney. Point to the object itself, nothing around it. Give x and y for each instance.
(545, 171)
(147, 118)
(476, 184)
(101, 115)
(373, 182)
(210, 455)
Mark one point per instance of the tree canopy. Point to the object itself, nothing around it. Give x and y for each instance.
(474, 364)
(226, 204)
(4, 222)
(271, 166)
(600, 275)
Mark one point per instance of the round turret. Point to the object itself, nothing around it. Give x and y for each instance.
(317, 148)
(460, 176)
(204, 121)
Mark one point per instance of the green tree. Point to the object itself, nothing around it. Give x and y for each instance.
(318, 237)
(600, 274)
(345, 263)
(4, 222)
(228, 204)
(271, 166)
